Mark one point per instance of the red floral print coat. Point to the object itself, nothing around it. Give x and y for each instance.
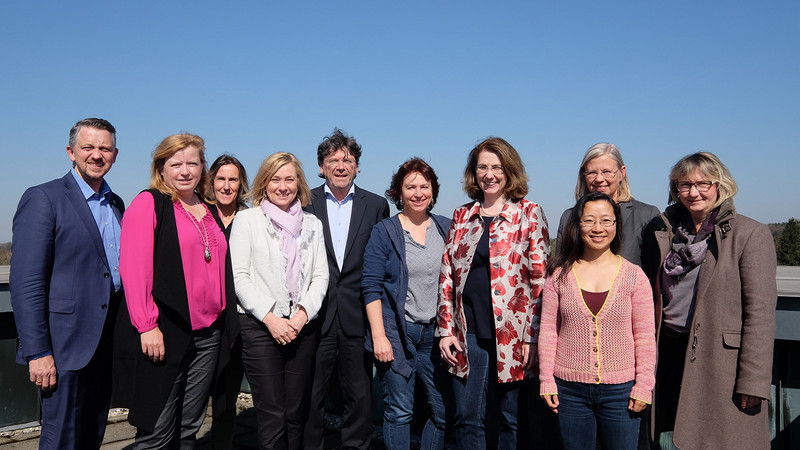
(519, 245)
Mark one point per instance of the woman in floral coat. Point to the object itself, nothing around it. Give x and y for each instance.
(491, 281)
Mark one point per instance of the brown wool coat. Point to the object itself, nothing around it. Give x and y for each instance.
(732, 332)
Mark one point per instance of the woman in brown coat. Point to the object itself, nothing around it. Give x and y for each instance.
(715, 294)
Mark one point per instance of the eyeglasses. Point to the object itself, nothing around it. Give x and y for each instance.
(334, 163)
(701, 186)
(605, 223)
(497, 170)
(591, 175)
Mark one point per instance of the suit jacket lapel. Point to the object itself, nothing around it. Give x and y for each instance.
(356, 216)
(118, 207)
(319, 207)
(75, 198)
(626, 209)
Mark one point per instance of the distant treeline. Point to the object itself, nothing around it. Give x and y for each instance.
(776, 229)
(5, 254)
(787, 242)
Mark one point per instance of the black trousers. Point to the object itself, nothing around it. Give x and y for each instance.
(280, 379)
(224, 394)
(671, 359)
(353, 364)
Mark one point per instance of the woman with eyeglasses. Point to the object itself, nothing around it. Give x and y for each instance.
(597, 349)
(491, 280)
(715, 295)
(602, 170)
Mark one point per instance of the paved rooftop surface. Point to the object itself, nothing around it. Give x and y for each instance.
(120, 435)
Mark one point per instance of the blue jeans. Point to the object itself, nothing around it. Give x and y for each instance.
(398, 392)
(470, 398)
(591, 412)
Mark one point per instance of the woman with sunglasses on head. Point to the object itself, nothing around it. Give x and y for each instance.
(597, 338)
(715, 291)
(602, 170)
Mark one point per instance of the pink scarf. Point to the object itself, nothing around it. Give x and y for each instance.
(289, 223)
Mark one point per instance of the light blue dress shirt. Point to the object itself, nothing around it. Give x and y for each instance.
(339, 221)
(107, 223)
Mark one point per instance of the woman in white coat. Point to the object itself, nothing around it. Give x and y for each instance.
(280, 273)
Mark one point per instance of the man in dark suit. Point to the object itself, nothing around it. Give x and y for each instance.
(347, 213)
(65, 289)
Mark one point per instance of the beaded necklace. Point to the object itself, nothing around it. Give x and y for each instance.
(203, 234)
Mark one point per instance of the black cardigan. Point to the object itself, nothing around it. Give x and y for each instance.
(139, 384)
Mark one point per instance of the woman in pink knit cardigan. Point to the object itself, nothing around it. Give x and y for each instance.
(597, 348)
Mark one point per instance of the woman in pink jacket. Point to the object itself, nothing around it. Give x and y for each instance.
(597, 348)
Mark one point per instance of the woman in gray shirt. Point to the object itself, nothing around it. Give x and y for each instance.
(401, 284)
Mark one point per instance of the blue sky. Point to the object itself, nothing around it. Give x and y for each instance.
(430, 79)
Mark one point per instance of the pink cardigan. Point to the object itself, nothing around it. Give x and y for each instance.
(615, 346)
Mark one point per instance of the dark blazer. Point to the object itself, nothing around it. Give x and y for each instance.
(344, 285)
(636, 216)
(60, 280)
(386, 279)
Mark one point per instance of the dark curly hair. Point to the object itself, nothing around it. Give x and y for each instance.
(337, 140)
(412, 165)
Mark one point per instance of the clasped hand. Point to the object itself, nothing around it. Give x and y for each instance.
(285, 330)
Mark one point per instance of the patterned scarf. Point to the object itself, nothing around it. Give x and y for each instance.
(686, 254)
(289, 223)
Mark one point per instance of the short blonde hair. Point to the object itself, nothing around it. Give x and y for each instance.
(595, 151)
(516, 178)
(269, 168)
(710, 167)
(166, 150)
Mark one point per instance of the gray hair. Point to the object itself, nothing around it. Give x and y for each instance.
(595, 151)
(92, 122)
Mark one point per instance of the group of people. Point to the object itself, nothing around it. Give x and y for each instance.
(170, 301)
